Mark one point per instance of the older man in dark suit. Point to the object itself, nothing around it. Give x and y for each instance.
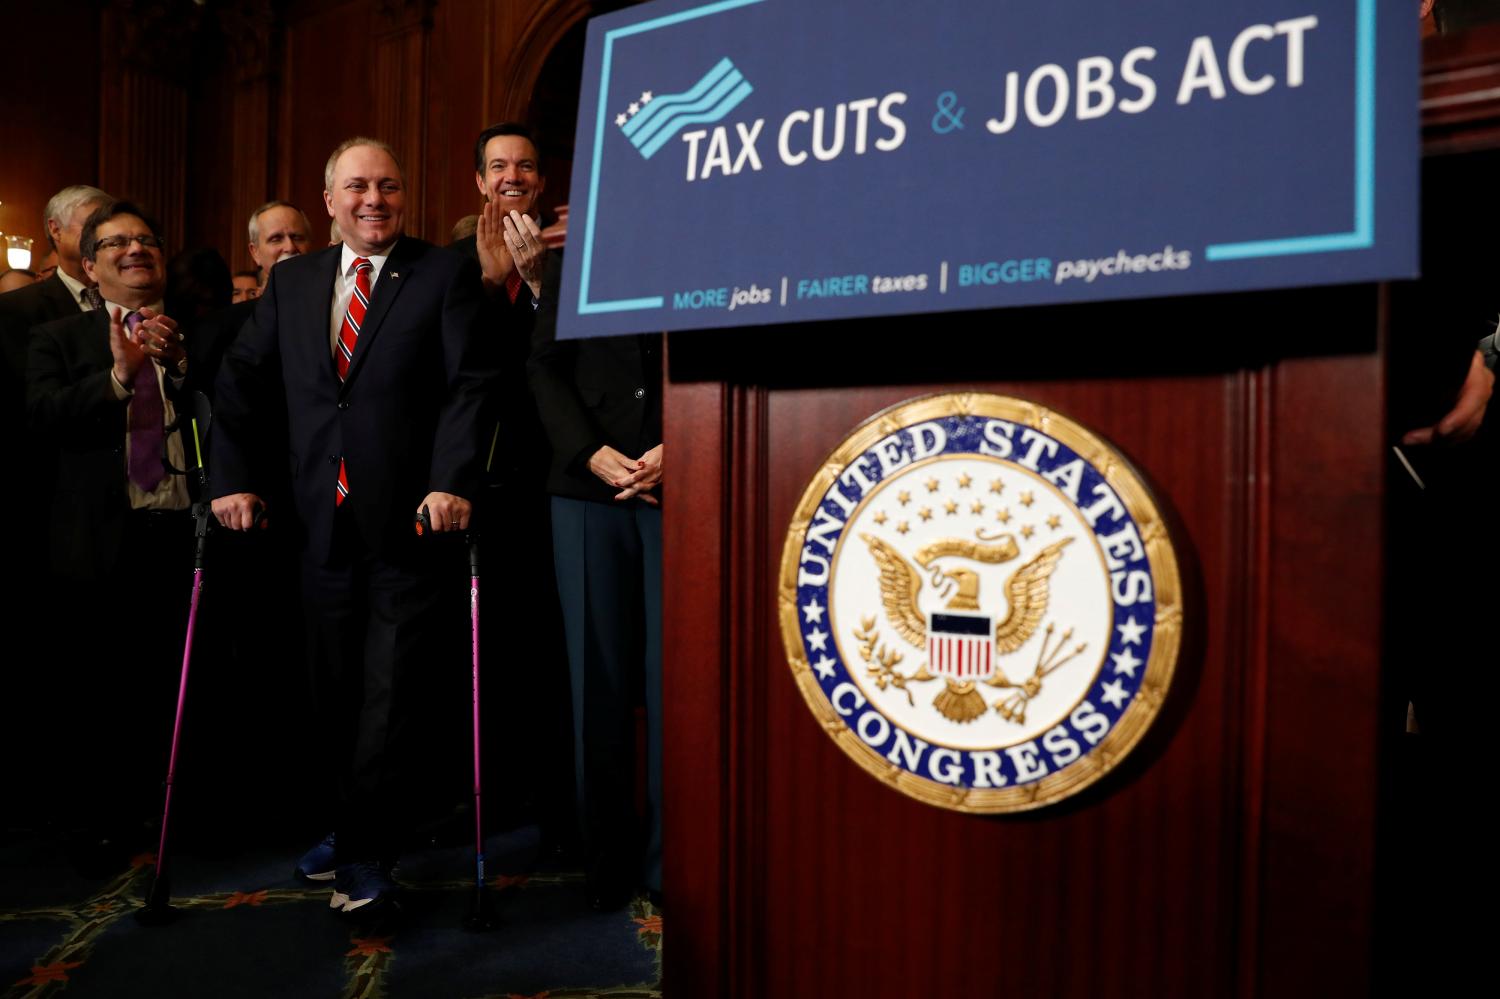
(67, 292)
(64, 293)
(374, 348)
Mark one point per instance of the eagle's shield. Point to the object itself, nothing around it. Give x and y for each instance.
(960, 646)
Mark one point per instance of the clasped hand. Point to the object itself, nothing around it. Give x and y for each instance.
(632, 476)
(156, 337)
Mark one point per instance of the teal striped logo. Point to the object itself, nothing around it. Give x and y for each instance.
(652, 121)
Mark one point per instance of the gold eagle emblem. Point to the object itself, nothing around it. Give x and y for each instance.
(1026, 595)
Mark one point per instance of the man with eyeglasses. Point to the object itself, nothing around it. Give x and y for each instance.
(102, 388)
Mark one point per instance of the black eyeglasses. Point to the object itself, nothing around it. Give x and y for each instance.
(147, 241)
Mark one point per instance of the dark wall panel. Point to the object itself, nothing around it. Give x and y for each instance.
(49, 130)
(456, 113)
(323, 101)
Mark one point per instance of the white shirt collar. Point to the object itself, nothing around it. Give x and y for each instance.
(125, 310)
(377, 262)
(75, 287)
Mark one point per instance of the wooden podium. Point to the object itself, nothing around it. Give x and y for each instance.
(1233, 856)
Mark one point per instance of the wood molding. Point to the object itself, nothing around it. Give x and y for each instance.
(1249, 441)
(695, 693)
(142, 128)
(143, 106)
(253, 33)
(1461, 90)
(255, 39)
(402, 48)
(156, 37)
(250, 180)
(407, 16)
(522, 61)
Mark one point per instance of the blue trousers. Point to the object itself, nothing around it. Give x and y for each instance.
(608, 561)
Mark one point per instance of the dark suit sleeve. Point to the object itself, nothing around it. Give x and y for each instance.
(60, 408)
(15, 330)
(245, 390)
(209, 338)
(459, 447)
(550, 369)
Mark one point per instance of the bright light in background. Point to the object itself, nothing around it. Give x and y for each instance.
(18, 252)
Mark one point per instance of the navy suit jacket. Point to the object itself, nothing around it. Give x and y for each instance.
(411, 418)
(20, 310)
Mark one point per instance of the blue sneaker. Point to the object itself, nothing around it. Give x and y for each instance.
(319, 863)
(364, 885)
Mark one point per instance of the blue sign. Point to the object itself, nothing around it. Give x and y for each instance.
(744, 162)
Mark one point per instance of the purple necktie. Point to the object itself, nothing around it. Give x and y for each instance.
(145, 425)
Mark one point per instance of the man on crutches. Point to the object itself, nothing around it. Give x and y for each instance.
(376, 345)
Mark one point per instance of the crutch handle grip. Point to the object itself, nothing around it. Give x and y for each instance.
(423, 526)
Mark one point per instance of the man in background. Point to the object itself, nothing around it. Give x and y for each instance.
(47, 266)
(508, 172)
(246, 285)
(16, 278)
(278, 231)
(63, 294)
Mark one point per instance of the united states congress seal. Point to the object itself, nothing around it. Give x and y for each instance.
(980, 602)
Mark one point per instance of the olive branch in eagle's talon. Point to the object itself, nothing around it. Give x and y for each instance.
(881, 659)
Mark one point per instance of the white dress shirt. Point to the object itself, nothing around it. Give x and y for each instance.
(171, 492)
(75, 288)
(343, 291)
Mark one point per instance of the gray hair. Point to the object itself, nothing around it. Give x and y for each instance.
(348, 144)
(254, 227)
(67, 201)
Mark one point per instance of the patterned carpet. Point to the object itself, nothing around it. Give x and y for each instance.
(247, 929)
